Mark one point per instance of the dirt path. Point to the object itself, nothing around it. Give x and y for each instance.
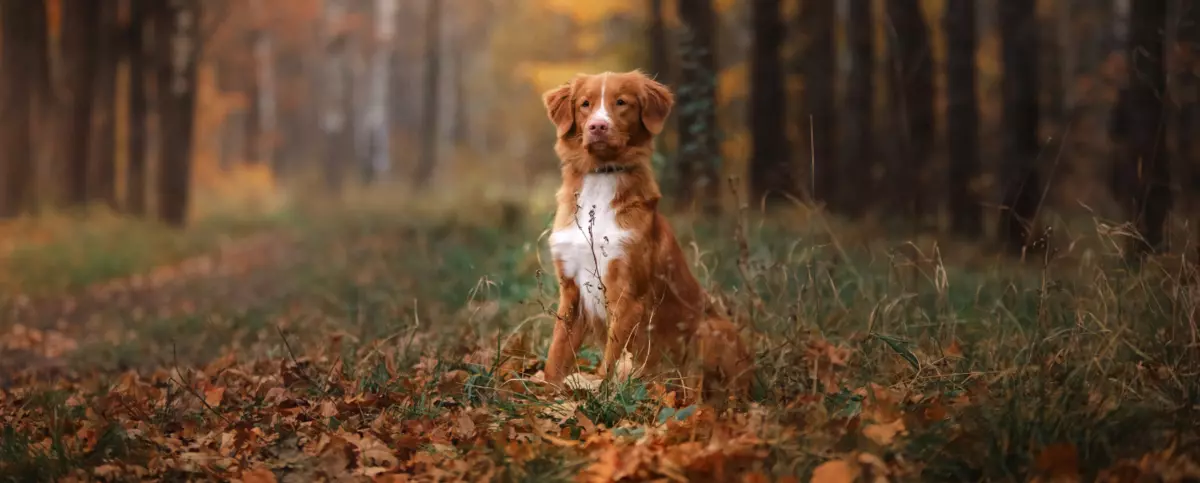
(38, 333)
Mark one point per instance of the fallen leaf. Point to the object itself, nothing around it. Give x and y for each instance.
(954, 350)
(836, 471)
(884, 434)
(1059, 462)
(465, 426)
(213, 396)
(261, 475)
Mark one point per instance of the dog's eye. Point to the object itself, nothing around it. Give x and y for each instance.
(586, 104)
(620, 102)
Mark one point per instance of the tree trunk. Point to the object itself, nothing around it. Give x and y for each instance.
(458, 130)
(912, 105)
(814, 61)
(962, 118)
(22, 50)
(261, 123)
(860, 104)
(103, 173)
(178, 47)
(699, 154)
(429, 114)
(338, 139)
(378, 121)
(771, 174)
(656, 34)
(659, 67)
(135, 199)
(80, 30)
(1188, 98)
(1019, 91)
(1147, 169)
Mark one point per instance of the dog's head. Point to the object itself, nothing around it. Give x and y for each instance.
(607, 114)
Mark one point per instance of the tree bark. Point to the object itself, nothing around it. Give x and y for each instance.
(814, 61)
(1188, 98)
(860, 103)
(429, 111)
(912, 105)
(659, 67)
(178, 48)
(656, 34)
(19, 50)
(699, 154)
(80, 29)
(135, 198)
(378, 122)
(962, 118)
(338, 139)
(1147, 168)
(1019, 91)
(771, 173)
(103, 173)
(261, 123)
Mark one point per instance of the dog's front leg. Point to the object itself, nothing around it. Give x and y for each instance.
(626, 319)
(568, 331)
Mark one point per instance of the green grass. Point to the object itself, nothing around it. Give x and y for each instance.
(1085, 351)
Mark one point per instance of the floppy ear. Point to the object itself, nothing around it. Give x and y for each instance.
(559, 107)
(657, 101)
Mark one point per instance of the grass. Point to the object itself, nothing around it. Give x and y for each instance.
(426, 335)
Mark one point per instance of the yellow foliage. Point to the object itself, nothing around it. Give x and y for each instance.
(733, 83)
(593, 11)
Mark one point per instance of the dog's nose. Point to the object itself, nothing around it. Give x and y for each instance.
(597, 126)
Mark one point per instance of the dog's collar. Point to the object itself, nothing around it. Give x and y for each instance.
(611, 168)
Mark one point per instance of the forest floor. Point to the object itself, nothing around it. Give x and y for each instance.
(365, 345)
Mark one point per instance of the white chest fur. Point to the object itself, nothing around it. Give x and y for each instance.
(591, 242)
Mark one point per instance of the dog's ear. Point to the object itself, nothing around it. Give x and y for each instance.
(560, 108)
(657, 102)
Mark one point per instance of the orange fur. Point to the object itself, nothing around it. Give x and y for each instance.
(655, 307)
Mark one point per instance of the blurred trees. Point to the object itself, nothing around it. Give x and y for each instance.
(80, 34)
(989, 114)
(176, 25)
(429, 112)
(814, 61)
(911, 81)
(23, 63)
(1019, 177)
(859, 160)
(1145, 170)
(696, 107)
(962, 118)
(771, 172)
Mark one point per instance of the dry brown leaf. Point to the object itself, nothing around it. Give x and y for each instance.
(884, 434)
(835, 471)
(328, 409)
(464, 425)
(213, 396)
(260, 475)
(954, 350)
(1059, 462)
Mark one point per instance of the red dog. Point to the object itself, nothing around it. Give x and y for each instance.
(620, 269)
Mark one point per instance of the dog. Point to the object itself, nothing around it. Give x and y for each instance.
(620, 269)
